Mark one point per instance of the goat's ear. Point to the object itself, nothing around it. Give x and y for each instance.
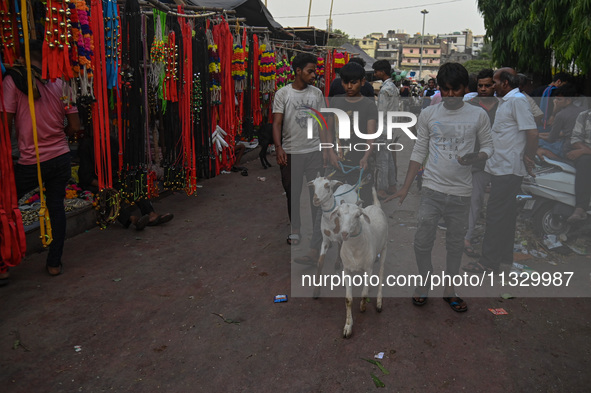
(335, 184)
(318, 174)
(366, 218)
(333, 214)
(311, 183)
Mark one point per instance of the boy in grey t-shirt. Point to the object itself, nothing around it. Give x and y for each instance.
(298, 155)
(447, 134)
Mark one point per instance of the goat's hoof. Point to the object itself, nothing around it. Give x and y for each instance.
(379, 309)
(362, 306)
(316, 294)
(347, 331)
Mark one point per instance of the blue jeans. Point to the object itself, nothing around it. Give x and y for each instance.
(454, 210)
(56, 173)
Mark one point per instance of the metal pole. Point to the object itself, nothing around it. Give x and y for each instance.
(309, 10)
(424, 12)
(330, 17)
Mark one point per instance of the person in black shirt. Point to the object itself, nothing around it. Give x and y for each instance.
(353, 154)
(336, 86)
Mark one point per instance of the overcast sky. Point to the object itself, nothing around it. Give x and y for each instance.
(445, 16)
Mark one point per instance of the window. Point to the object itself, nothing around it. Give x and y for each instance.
(412, 51)
(426, 50)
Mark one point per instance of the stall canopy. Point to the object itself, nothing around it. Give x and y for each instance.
(254, 11)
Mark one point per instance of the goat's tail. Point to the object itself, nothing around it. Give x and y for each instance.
(376, 201)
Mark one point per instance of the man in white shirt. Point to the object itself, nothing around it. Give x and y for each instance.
(388, 101)
(515, 139)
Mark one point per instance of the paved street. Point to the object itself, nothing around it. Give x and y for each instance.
(188, 307)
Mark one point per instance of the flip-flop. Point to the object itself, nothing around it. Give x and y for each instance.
(141, 222)
(294, 239)
(470, 252)
(161, 219)
(419, 300)
(476, 267)
(455, 302)
(306, 260)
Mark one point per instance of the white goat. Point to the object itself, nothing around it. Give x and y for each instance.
(364, 234)
(328, 198)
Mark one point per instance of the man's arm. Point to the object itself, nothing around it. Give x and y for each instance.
(413, 169)
(73, 124)
(531, 146)
(277, 124)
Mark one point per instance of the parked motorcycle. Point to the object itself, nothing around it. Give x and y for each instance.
(551, 197)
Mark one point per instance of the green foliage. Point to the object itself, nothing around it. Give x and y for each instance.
(539, 35)
(512, 45)
(475, 66)
(338, 41)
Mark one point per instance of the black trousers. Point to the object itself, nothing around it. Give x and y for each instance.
(583, 181)
(56, 173)
(292, 178)
(501, 217)
(144, 205)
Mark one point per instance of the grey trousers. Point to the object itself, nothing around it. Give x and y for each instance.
(479, 181)
(454, 209)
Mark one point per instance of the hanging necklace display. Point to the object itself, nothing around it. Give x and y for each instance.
(197, 98)
(267, 67)
(215, 88)
(171, 78)
(320, 73)
(283, 70)
(257, 117)
(56, 60)
(156, 72)
(111, 42)
(185, 112)
(238, 66)
(9, 48)
(134, 174)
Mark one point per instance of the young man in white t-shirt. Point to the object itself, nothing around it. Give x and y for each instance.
(447, 135)
(298, 155)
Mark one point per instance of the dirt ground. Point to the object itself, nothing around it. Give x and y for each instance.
(188, 307)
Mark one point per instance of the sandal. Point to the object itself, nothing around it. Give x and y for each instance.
(294, 239)
(456, 302)
(161, 219)
(5, 280)
(476, 267)
(470, 252)
(419, 299)
(55, 270)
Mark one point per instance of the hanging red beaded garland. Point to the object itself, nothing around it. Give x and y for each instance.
(9, 46)
(56, 60)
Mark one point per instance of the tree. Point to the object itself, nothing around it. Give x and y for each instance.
(340, 39)
(539, 35)
(475, 66)
(512, 45)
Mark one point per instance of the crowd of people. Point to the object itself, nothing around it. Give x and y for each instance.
(475, 132)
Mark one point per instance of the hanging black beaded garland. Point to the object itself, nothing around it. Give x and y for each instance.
(174, 175)
(201, 128)
(134, 173)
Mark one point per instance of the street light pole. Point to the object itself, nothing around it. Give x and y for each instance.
(424, 12)
(309, 10)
